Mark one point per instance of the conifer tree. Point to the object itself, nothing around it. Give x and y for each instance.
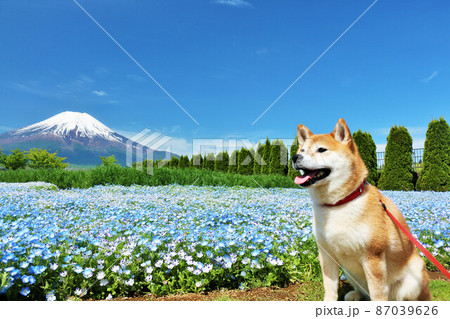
(221, 162)
(196, 161)
(233, 163)
(368, 151)
(278, 158)
(208, 161)
(292, 173)
(245, 162)
(435, 174)
(265, 169)
(397, 173)
(183, 162)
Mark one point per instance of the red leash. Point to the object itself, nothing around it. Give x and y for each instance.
(416, 242)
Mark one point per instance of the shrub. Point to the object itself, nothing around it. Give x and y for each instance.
(40, 158)
(109, 161)
(16, 160)
(368, 151)
(397, 173)
(436, 158)
(2, 158)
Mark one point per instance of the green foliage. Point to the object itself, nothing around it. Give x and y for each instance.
(294, 148)
(2, 158)
(397, 173)
(117, 175)
(245, 162)
(208, 161)
(368, 151)
(183, 162)
(258, 160)
(109, 160)
(173, 162)
(278, 158)
(196, 161)
(16, 160)
(221, 163)
(266, 151)
(233, 163)
(40, 158)
(436, 158)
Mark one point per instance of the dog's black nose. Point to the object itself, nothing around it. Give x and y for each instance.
(295, 158)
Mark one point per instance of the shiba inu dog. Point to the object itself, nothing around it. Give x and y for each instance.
(351, 228)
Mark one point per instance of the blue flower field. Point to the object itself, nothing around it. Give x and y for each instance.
(111, 241)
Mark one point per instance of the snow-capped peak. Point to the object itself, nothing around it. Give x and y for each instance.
(71, 123)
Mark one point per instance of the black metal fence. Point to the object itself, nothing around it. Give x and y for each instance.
(417, 156)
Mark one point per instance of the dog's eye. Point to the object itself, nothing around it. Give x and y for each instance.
(321, 150)
(302, 150)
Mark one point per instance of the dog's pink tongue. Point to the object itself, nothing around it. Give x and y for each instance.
(304, 178)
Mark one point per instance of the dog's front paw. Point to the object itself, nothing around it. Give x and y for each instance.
(353, 295)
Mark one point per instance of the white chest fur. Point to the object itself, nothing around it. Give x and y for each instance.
(341, 230)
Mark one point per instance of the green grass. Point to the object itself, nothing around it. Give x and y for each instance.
(126, 176)
(440, 290)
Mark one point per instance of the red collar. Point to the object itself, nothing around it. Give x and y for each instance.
(350, 197)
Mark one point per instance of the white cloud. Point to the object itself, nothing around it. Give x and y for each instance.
(233, 3)
(99, 93)
(429, 78)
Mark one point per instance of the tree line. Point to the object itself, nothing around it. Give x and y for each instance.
(273, 158)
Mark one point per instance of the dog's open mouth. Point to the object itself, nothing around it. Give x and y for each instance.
(311, 176)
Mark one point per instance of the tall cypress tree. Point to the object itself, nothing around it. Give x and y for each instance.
(397, 173)
(183, 162)
(245, 162)
(294, 148)
(265, 169)
(233, 163)
(173, 162)
(436, 158)
(368, 151)
(221, 162)
(196, 161)
(278, 158)
(258, 159)
(208, 161)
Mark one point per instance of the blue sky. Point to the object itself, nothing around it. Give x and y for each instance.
(226, 62)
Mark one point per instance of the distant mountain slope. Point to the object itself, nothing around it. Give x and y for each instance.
(78, 136)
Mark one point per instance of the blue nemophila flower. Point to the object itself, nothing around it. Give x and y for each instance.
(104, 282)
(439, 244)
(212, 225)
(51, 296)
(25, 291)
(78, 269)
(115, 268)
(24, 264)
(256, 252)
(88, 272)
(37, 270)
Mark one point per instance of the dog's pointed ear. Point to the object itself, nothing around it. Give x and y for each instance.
(303, 133)
(341, 132)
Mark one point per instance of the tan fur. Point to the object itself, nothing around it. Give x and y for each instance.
(378, 259)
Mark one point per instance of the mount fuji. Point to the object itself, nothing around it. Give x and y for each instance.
(78, 136)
